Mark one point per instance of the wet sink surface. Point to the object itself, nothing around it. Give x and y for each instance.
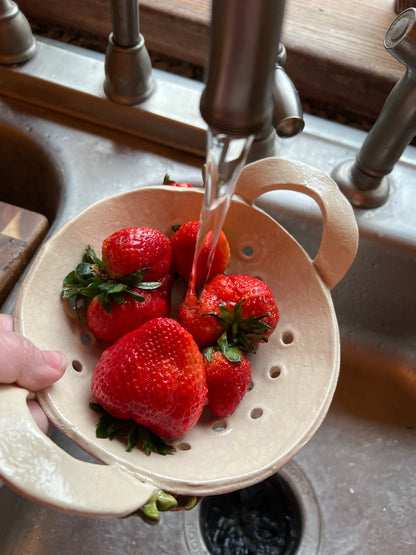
(360, 463)
(29, 176)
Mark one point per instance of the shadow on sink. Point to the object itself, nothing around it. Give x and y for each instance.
(30, 177)
(379, 390)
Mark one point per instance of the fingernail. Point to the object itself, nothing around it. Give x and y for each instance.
(56, 359)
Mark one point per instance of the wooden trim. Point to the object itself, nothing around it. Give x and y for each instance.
(335, 49)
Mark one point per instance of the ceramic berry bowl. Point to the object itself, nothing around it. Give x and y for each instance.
(294, 374)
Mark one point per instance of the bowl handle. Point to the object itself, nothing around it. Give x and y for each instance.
(339, 240)
(32, 464)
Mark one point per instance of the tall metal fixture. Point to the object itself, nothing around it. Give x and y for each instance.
(128, 68)
(17, 43)
(364, 180)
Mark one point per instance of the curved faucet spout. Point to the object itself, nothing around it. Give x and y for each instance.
(365, 180)
(287, 108)
(237, 99)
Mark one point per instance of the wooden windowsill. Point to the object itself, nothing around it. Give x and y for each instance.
(335, 50)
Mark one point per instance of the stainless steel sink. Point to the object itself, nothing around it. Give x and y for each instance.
(30, 177)
(355, 479)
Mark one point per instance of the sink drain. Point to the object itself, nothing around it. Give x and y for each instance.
(279, 516)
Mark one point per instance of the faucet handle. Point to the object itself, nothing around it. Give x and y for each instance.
(17, 43)
(128, 68)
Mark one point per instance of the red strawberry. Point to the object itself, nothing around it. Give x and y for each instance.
(128, 315)
(116, 306)
(155, 376)
(183, 245)
(227, 381)
(168, 181)
(240, 304)
(195, 314)
(137, 248)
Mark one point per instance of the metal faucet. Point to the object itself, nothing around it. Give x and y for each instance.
(128, 68)
(364, 180)
(247, 91)
(17, 43)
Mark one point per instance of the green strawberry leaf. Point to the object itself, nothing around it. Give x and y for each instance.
(207, 353)
(92, 258)
(90, 280)
(133, 437)
(134, 278)
(232, 352)
(241, 333)
(91, 290)
(135, 295)
(84, 272)
(70, 279)
(167, 180)
(111, 287)
(108, 427)
(70, 292)
(149, 285)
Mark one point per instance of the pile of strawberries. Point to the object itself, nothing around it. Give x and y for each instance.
(161, 371)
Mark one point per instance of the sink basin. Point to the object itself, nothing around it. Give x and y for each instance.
(30, 177)
(359, 466)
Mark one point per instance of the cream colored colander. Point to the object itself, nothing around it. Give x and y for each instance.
(294, 375)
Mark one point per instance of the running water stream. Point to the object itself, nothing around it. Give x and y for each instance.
(226, 156)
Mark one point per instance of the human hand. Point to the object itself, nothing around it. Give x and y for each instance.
(25, 365)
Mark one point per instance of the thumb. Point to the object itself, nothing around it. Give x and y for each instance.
(21, 362)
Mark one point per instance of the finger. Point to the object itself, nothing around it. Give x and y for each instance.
(6, 322)
(38, 415)
(24, 364)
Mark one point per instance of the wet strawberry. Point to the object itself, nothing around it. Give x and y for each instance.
(228, 375)
(238, 303)
(128, 315)
(115, 307)
(183, 244)
(183, 184)
(195, 314)
(154, 375)
(137, 248)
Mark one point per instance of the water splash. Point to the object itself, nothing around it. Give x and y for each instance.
(226, 156)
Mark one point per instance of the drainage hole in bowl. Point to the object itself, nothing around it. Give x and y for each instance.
(219, 426)
(287, 337)
(265, 518)
(77, 365)
(275, 372)
(256, 413)
(247, 251)
(87, 339)
(183, 446)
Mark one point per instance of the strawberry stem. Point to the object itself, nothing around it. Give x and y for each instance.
(231, 352)
(242, 333)
(167, 180)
